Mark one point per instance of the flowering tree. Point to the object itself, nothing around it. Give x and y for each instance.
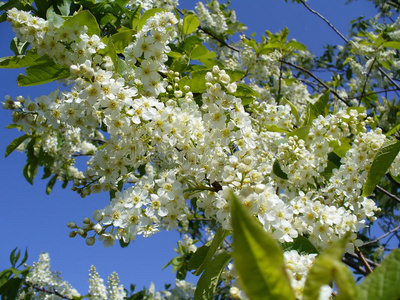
(189, 125)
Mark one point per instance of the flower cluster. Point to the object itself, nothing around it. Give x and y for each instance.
(168, 154)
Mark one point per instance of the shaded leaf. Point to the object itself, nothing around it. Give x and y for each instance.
(15, 143)
(209, 279)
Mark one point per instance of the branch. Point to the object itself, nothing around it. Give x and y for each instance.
(49, 292)
(316, 78)
(388, 193)
(206, 31)
(326, 21)
(354, 265)
(381, 237)
(364, 261)
(347, 41)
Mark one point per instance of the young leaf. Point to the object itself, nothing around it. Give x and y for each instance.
(383, 159)
(209, 279)
(42, 73)
(15, 143)
(190, 23)
(328, 266)
(258, 258)
(383, 283)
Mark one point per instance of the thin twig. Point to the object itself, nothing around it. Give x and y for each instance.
(388, 193)
(326, 20)
(316, 78)
(370, 262)
(381, 237)
(364, 261)
(354, 265)
(347, 41)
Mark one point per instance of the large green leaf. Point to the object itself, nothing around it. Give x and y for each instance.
(21, 61)
(384, 282)
(383, 159)
(328, 266)
(208, 281)
(84, 18)
(43, 73)
(257, 257)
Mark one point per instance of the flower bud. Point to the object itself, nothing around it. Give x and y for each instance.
(72, 234)
(71, 225)
(90, 241)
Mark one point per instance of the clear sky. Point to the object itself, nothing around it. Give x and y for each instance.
(30, 218)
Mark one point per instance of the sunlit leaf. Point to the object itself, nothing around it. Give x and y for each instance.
(383, 159)
(257, 257)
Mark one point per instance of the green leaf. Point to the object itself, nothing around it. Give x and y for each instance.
(30, 169)
(301, 244)
(394, 129)
(257, 257)
(43, 73)
(278, 171)
(18, 47)
(301, 132)
(294, 111)
(235, 75)
(198, 257)
(328, 266)
(384, 282)
(244, 90)
(190, 23)
(15, 143)
(321, 104)
(220, 234)
(201, 52)
(122, 39)
(146, 15)
(383, 159)
(209, 279)
(276, 128)
(391, 44)
(21, 61)
(296, 45)
(84, 18)
(50, 184)
(10, 289)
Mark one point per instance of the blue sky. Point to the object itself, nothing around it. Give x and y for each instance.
(30, 218)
